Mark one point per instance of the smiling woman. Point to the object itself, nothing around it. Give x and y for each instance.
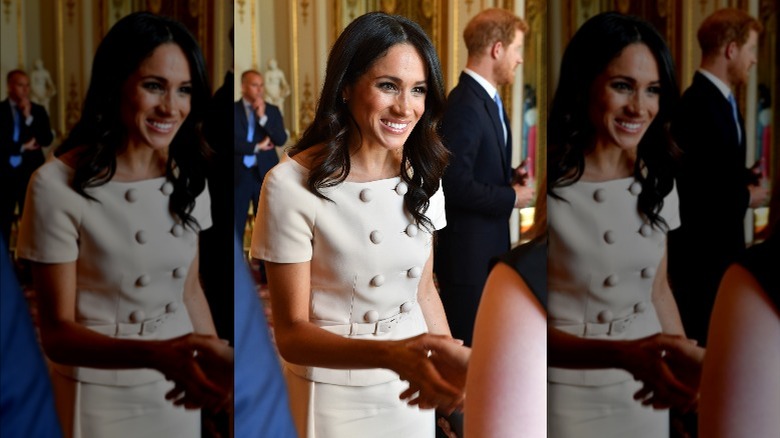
(346, 229)
(112, 233)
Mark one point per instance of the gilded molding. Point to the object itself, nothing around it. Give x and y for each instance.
(19, 34)
(253, 26)
(60, 29)
(307, 104)
(296, 73)
(71, 5)
(468, 6)
(73, 108)
(241, 10)
(305, 10)
(154, 5)
(7, 10)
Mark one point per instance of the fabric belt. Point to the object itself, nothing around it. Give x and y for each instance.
(614, 327)
(366, 328)
(144, 328)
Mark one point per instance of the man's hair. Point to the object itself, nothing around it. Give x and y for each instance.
(249, 72)
(725, 26)
(13, 73)
(490, 26)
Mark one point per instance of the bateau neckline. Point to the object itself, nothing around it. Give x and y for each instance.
(606, 181)
(300, 167)
(113, 181)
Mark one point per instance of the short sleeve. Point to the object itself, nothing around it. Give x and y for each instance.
(284, 225)
(202, 210)
(49, 230)
(435, 210)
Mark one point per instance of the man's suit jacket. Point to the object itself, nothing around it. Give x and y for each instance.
(712, 185)
(477, 186)
(274, 129)
(40, 129)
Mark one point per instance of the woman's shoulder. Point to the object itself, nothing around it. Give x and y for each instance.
(529, 260)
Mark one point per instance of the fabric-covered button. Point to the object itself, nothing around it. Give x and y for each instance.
(411, 230)
(143, 280)
(609, 237)
(131, 195)
(366, 195)
(401, 188)
(599, 195)
(141, 237)
(171, 307)
(611, 280)
(640, 307)
(378, 280)
(635, 188)
(371, 316)
(179, 272)
(415, 272)
(137, 316)
(376, 237)
(646, 230)
(167, 188)
(605, 316)
(648, 272)
(407, 307)
(177, 230)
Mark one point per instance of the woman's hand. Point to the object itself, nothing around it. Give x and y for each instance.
(685, 361)
(663, 385)
(185, 361)
(411, 361)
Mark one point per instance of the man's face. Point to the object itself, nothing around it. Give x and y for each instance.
(18, 87)
(253, 87)
(512, 57)
(742, 59)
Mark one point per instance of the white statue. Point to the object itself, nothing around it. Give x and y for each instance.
(41, 86)
(276, 87)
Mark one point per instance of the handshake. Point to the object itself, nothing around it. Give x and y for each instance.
(522, 185)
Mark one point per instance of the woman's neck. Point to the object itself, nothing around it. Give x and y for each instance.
(604, 164)
(139, 163)
(373, 165)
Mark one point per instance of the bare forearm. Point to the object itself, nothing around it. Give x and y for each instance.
(196, 303)
(433, 311)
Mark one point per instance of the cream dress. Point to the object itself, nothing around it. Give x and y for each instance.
(602, 260)
(132, 258)
(367, 255)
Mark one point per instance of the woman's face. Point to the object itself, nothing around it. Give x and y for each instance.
(625, 98)
(388, 100)
(156, 98)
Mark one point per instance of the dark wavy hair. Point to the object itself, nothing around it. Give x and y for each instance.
(100, 134)
(570, 129)
(364, 41)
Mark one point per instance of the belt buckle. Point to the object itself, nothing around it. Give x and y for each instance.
(151, 325)
(619, 326)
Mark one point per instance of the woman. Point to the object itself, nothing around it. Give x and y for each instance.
(611, 315)
(345, 227)
(112, 229)
(740, 386)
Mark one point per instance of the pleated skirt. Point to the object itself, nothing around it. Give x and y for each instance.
(322, 410)
(88, 410)
(607, 411)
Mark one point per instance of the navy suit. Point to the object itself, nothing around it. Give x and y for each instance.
(14, 180)
(479, 200)
(712, 184)
(247, 181)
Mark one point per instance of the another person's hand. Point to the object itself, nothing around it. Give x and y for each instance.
(523, 195)
(30, 145)
(645, 359)
(178, 360)
(520, 174)
(451, 361)
(426, 384)
(759, 195)
(259, 107)
(265, 144)
(25, 106)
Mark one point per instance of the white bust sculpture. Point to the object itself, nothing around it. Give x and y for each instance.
(41, 85)
(276, 87)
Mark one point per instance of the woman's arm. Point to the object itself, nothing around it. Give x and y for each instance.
(301, 342)
(196, 303)
(664, 302)
(66, 341)
(430, 302)
(740, 385)
(507, 377)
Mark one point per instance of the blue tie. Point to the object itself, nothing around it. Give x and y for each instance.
(250, 160)
(497, 99)
(15, 113)
(16, 159)
(733, 103)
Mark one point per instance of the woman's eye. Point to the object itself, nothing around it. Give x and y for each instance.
(154, 86)
(622, 86)
(655, 89)
(185, 90)
(419, 90)
(389, 86)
